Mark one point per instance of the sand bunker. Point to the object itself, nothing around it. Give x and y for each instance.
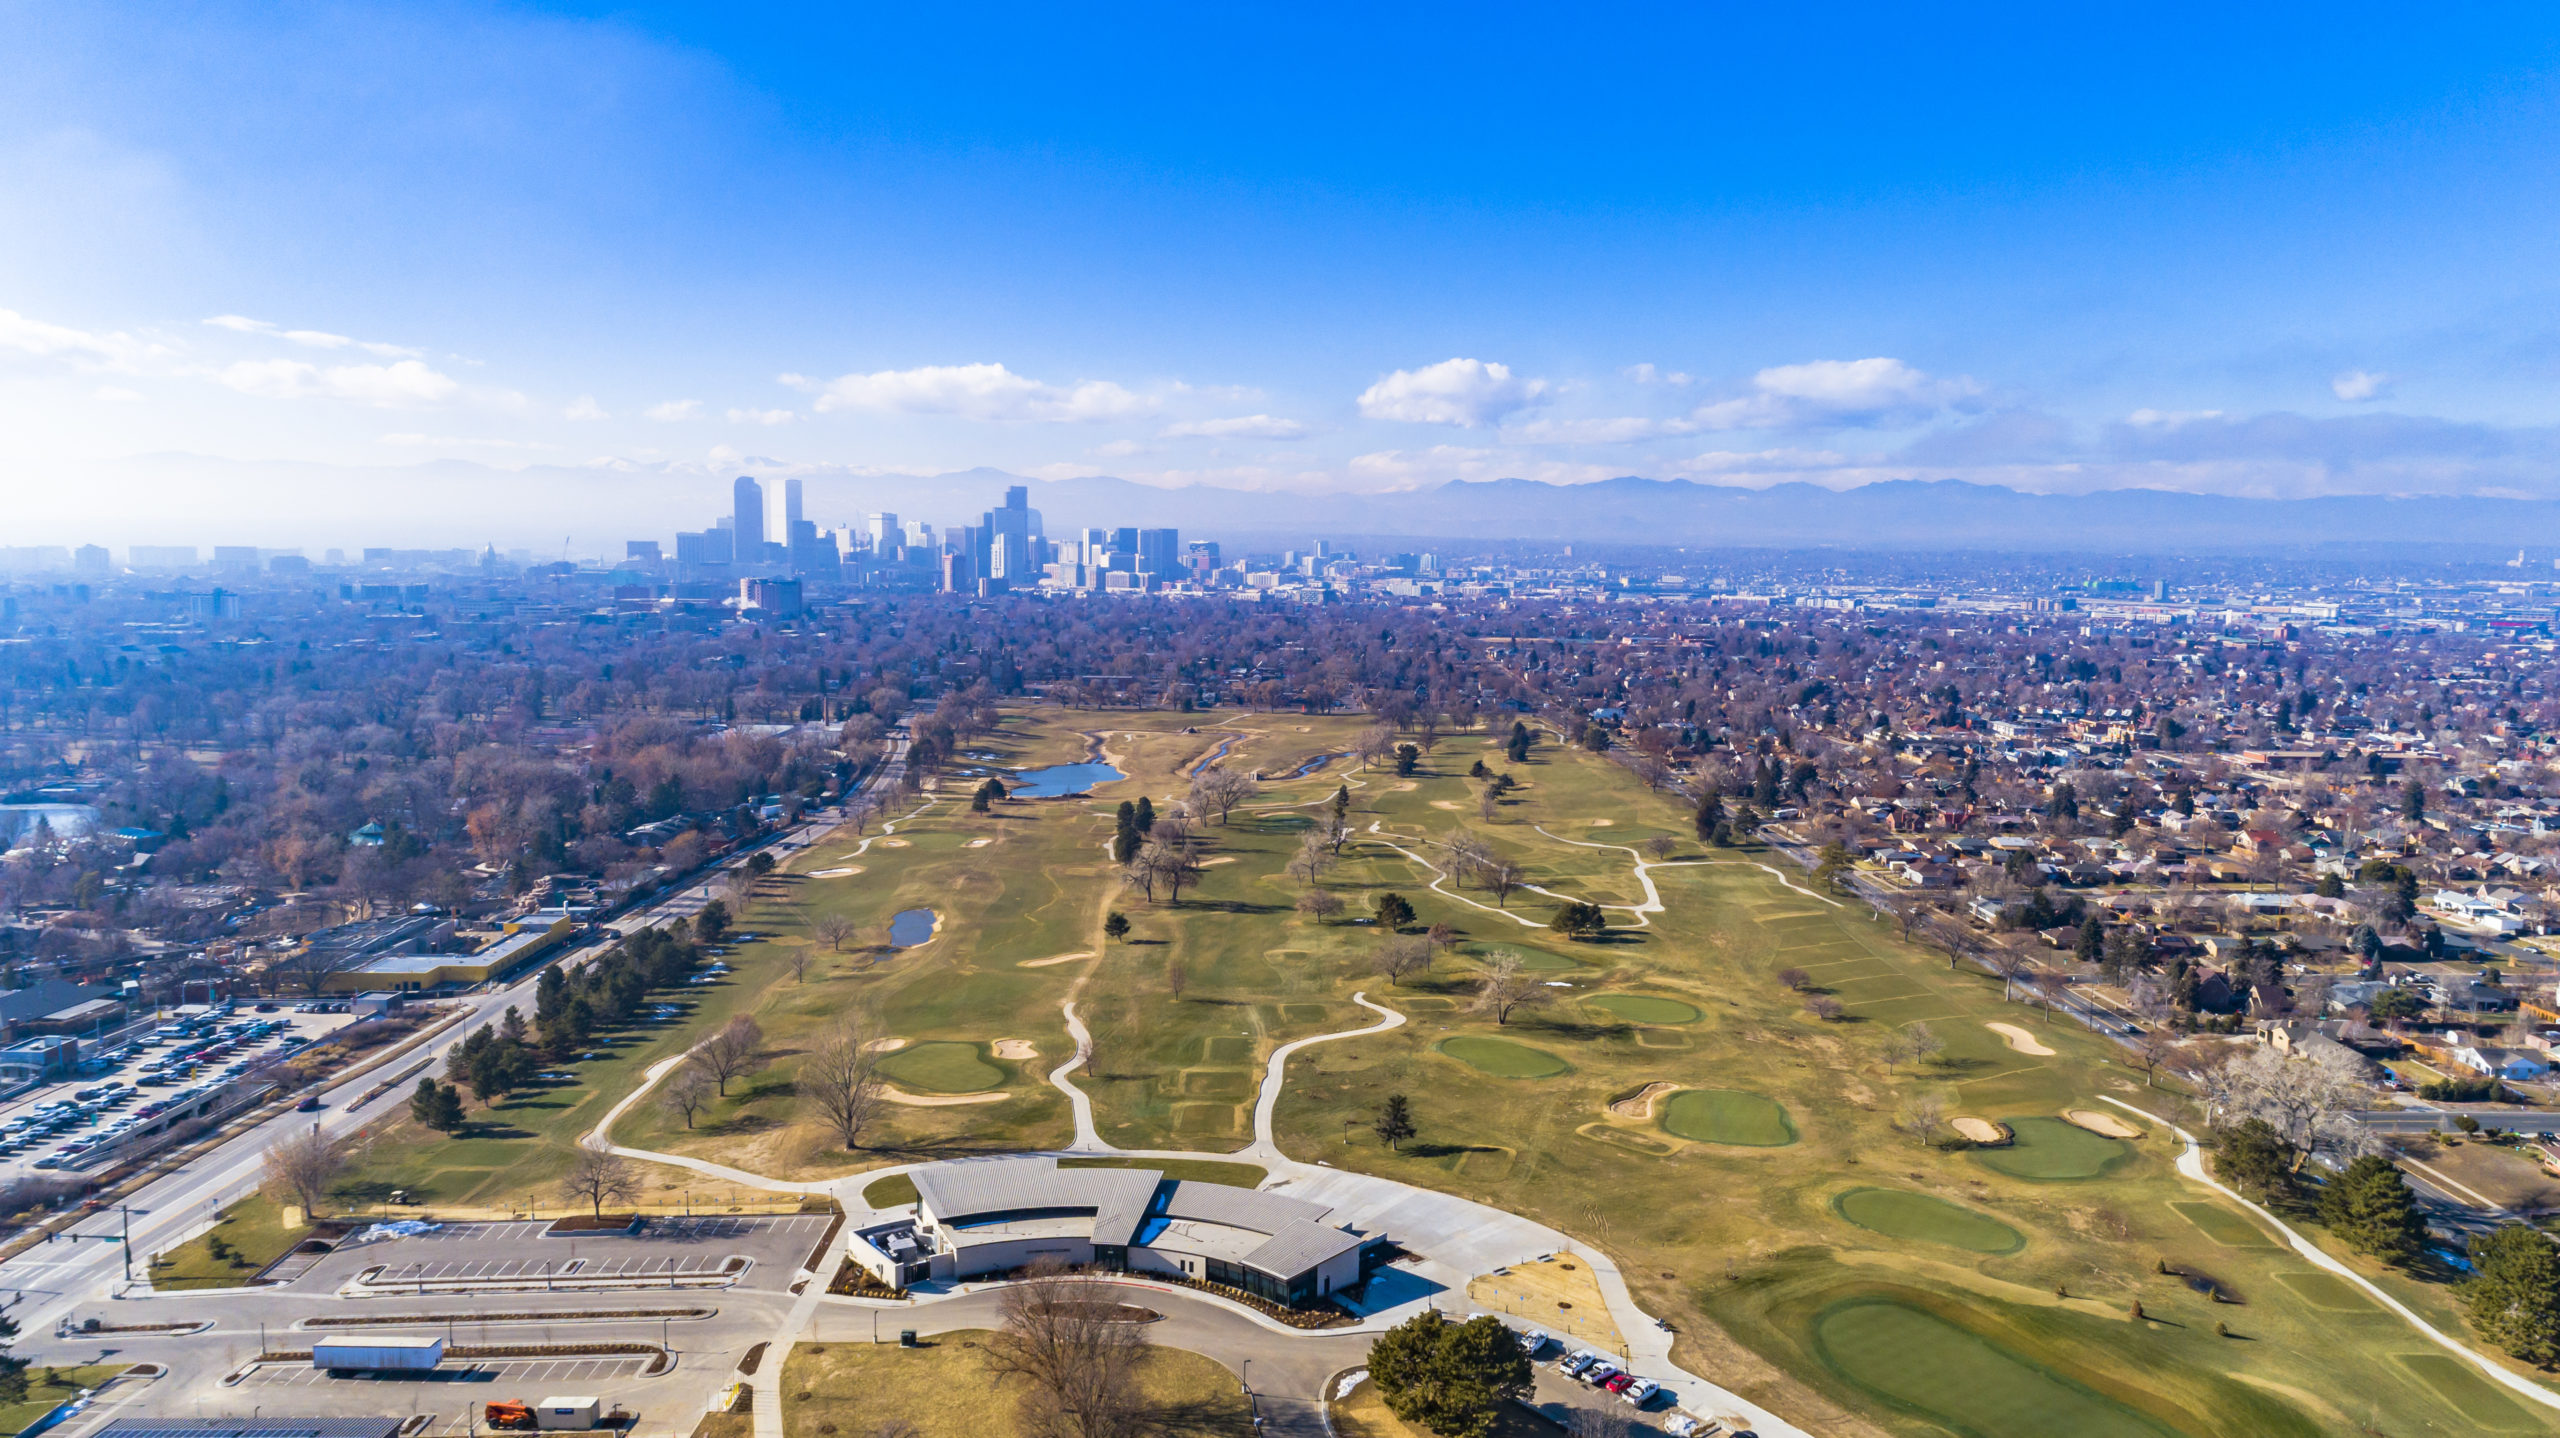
(893, 843)
(884, 1046)
(847, 872)
(2096, 1122)
(1640, 1103)
(1601, 823)
(1405, 786)
(895, 1094)
(1016, 1050)
(980, 843)
(2019, 1039)
(1981, 1131)
(1054, 959)
(1449, 804)
(1221, 859)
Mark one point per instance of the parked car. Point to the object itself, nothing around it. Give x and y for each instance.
(1617, 1382)
(1572, 1364)
(1599, 1373)
(1534, 1341)
(1640, 1391)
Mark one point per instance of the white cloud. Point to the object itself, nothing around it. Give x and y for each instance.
(312, 339)
(761, 416)
(1647, 374)
(2170, 418)
(117, 394)
(1876, 391)
(1243, 426)
(455, 441)
(1119, 449)
(1465, 392)
(988, 392)
(404, 383)
(1593, 431)
(51, 341)
(2356, 386)
(584, 407)
(668, 411)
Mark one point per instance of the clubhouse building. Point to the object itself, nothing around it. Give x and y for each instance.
(977, 1217)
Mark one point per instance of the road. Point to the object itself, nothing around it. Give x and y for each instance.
(89, 1262)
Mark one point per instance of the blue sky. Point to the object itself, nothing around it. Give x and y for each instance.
(1286, 247)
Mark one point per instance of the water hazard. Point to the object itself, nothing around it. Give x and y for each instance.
(1060, 779)
(910, 927)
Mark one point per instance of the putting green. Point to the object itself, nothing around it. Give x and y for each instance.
(941, 1067)
(1502, 1058)
(1539, 961)
(2223, 1226)
(2047, 1150)
(1646, 1008)
(1900, 1213)
(1729, 1116)
(1923, 1364)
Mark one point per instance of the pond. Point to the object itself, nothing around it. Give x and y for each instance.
(910, 927)
(1061, 779)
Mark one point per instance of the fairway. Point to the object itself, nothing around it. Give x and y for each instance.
(1728, 1116)
(1502, 1058)
(1646, 1008)
(2047, 1150)
(1900, 1213)
(2223, 1226)
(1922, 1363)
(942, 1067)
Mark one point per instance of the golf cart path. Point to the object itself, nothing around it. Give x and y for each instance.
(1264, 1146)
(2191, 1165)
(1088, 1139)
(1440, 877)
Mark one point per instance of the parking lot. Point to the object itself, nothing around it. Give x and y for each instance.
(530, 1372)
(768, 1249)
(169, 1069)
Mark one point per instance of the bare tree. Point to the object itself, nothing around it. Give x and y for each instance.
(1066, 1338)
(797, 958)
(1795, 979)
(1661, 846)
(1220, 790)
(1171, 859)
(1321, 905)
(1401, 957)
(2156, 1047)
(1375, 743)
(1336, 830)
(1488, 805)
(1503, 878)
(597, 1177)
(841, 1080)
(733, 1052)
(1921, 1116)
(1313, 857)
(1507, 987)
(2309, 1101)
(1468, 854)
(1825, 1008)
(300, 1168)
(1176, 978)
(687, 1092)
(835, 929)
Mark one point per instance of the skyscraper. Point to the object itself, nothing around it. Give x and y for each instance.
(791, 511)
(747, 519)
(884, 533)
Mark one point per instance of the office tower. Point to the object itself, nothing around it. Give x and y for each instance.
(1160, 552)
(883, 528)
(90, 559)
(919, 535)
(644, 550)
(710, 546)
(1124, 541)
(747, 519)
(792, 513)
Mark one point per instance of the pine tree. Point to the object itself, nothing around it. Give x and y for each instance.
(1395, 1121)
(2514, 1292)
(2370, 1206)
(1710, 813)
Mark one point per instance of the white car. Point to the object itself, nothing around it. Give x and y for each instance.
(1534, 1341)
(1640, 1392)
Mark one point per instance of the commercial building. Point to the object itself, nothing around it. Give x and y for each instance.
(976, 1217)
(746, 519)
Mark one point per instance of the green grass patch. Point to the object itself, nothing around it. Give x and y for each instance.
(1646, 1008)
(1189, 1170)
(2329, 1291)
(2461, 1385)
(895, 1191)
(1920, 1363)
(2047, 1150)
(1204, 1118)
(1540, 961)
(1502, 1058)
(1225, 1049)
(1900, 1213)
(44, 1397)
(1728, 1116)
(1216, 1083)
(2220, 1224)
(253, 1228)
(942, 1066)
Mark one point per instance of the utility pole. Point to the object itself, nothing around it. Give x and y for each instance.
(127, 1211)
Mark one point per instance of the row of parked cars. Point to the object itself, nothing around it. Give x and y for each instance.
(1598, 1372)
(90, 1114)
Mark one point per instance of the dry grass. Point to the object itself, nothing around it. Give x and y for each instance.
(947, 1389)
(1558, 1295)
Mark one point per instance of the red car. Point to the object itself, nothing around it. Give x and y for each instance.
(1618, 1384)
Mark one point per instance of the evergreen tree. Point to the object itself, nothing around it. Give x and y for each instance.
(2370, 1206)
(1146, 814)
(2253, 1158)
(1710, 813)
(1392, 911)
(1454, 1379)
(2514, 1292)
(1517, 747)
(1115, 925)
(1395, 1121)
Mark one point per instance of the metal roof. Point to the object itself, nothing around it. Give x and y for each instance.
(1301, 1246)
(1238, 1207)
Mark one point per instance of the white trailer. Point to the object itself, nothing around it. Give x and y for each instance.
(578, 1414)
(378, 1353)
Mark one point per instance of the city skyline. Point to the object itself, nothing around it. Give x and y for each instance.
(1836, 252)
